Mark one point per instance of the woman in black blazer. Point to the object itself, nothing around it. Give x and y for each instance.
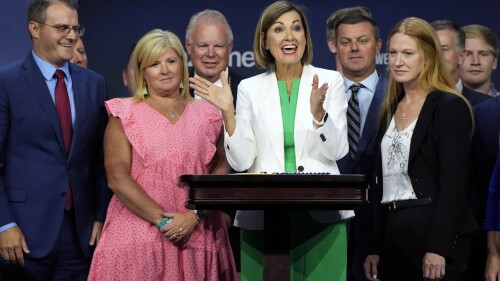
(422, 165)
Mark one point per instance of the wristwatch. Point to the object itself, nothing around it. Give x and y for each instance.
(200, 215)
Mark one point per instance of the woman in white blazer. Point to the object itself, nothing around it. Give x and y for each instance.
(285, 122)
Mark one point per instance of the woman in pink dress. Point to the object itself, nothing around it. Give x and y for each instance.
(152, 139)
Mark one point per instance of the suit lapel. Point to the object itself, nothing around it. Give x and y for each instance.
(302, 125)
(80, 99)
(423, 123)
(270, 113)
(35, 80)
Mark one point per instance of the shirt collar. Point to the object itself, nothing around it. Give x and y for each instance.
(369, 82)
(218, 82)
(47, 69)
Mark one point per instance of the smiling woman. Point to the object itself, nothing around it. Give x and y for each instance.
(292, 118)
(151, 139)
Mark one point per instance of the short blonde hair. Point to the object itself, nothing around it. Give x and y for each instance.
(149, 48)
(481, 32)
(262, 57)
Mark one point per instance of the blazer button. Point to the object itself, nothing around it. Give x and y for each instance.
(322, 137)
(300, 168)
(227, 147)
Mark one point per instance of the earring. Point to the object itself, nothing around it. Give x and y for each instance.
(181, 85)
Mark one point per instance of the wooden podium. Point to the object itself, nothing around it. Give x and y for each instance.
(276, 194)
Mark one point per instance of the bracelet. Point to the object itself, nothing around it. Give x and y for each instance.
(163, 222)
(323, 120)
(200, 215)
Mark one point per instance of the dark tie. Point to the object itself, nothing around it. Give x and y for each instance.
(64, 111)
(353, 120)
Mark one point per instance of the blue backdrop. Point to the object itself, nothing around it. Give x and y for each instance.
(113, 26)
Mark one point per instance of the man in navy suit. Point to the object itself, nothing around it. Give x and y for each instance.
(484, 152)
(357, 42)
(452, 40)
(53, 192)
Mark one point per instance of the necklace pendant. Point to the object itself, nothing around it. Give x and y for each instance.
(171, 114)
(403, 116)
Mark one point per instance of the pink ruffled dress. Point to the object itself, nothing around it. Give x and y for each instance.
(132, 248)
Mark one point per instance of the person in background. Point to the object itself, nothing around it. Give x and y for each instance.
(53, 192)
(331, 24)
(492, 224)
(209, 42)
(452, 40)
(423, 223)
(128, 76)
(151, 140)
(289, 119)
(484, 152)
(357, 44)
(480, 59)
(79, 54)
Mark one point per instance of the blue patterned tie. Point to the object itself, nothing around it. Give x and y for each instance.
(353, 120)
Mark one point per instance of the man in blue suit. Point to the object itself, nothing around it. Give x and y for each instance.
(484, 152)
(357, 42)
(53, 192)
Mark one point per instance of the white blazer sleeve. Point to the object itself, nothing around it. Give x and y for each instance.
(241, 147)
(333, 134)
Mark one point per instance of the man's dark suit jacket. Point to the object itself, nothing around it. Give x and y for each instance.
(474, 97)
(34, 168)
(485, 145)
(438, 168)
(363, 163)
(362, 223)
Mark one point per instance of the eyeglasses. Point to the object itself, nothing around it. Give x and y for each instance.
(66, 29)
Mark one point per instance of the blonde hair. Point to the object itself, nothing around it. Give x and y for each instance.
(148, 49)
(434, 74)
(263, 57)
(483, 33)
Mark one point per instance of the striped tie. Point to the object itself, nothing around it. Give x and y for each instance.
(353, 120)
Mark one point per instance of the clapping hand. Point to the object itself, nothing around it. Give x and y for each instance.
(318, 96)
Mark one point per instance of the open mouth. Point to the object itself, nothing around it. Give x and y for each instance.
(287, 49)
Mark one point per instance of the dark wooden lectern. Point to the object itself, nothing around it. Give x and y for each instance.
(276, 194)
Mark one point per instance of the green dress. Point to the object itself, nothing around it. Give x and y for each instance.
(319, 251)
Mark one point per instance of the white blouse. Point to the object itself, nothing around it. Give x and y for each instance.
(395, 153)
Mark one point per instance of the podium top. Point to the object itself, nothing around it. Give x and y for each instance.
(277, 178)
(265, 191)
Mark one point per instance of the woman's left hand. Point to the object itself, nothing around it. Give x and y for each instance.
(318, 96)
(180, 228)
(433, 266)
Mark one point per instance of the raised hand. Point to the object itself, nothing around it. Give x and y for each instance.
(318, 96)
(220, 97)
